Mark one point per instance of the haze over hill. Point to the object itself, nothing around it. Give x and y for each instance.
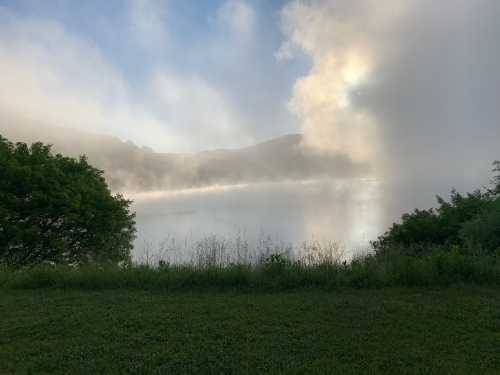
(129, 167)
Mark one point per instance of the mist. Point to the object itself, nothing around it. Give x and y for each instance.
(129, 168)
(410, 86)
(381, 104)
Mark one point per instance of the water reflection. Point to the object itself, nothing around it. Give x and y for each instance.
(347, 211)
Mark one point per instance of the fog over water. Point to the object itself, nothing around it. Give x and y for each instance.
(287, 213)
(350, 212)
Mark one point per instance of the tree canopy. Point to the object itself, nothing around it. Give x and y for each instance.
(58, 209)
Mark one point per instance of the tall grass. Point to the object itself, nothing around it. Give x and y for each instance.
(213, 250)
(276, 272)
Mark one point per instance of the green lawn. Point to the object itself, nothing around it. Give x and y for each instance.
(385, 331)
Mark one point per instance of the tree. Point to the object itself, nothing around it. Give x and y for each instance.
(58, 209)
(496, 179)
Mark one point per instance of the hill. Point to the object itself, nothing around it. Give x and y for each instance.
(129, 167)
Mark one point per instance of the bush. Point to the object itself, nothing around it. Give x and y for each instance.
(55, 209)
(468, 221)
(482, 233)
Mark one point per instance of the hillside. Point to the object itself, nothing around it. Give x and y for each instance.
(133, 168)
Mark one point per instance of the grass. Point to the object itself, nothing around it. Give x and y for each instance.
(393, 314)
(275, 273)
(348, 331)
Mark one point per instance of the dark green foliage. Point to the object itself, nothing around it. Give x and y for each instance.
(59, 210)
(417, 230)
(461, 208)
(470, 221)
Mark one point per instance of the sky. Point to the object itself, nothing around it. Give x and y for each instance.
(171, 75)
(410, 86)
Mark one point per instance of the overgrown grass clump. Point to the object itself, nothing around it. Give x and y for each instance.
(441, 268)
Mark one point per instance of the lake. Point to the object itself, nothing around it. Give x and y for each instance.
(350, 212)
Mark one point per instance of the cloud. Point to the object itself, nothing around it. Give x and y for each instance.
(285, 52)
(52, 77)
(342, 60)
(147, 20)
(61, 66)
(239, 17)
(199, 112)
(410, 86)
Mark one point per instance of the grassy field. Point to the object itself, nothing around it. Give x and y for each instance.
(373, 331)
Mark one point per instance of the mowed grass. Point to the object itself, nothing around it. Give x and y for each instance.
(452, 330)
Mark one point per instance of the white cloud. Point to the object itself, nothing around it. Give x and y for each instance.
(198, 111)
(48, 76)
(238, 16)
(342, 59)
(411, 86)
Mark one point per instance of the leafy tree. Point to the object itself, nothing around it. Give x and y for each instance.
(58, 209)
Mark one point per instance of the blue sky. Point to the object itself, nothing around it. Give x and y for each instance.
(227, 47)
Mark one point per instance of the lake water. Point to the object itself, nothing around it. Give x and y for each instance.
(351, 212)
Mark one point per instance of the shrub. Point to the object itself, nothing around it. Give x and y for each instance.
(415, 233)
(470, 220)
(482, 233)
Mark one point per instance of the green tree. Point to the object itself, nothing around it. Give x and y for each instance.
(496, 179)
(58, 209)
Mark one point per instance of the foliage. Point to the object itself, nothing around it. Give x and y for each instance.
(59, 210)
(470, 221)
(482, 233)
(496, 179)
